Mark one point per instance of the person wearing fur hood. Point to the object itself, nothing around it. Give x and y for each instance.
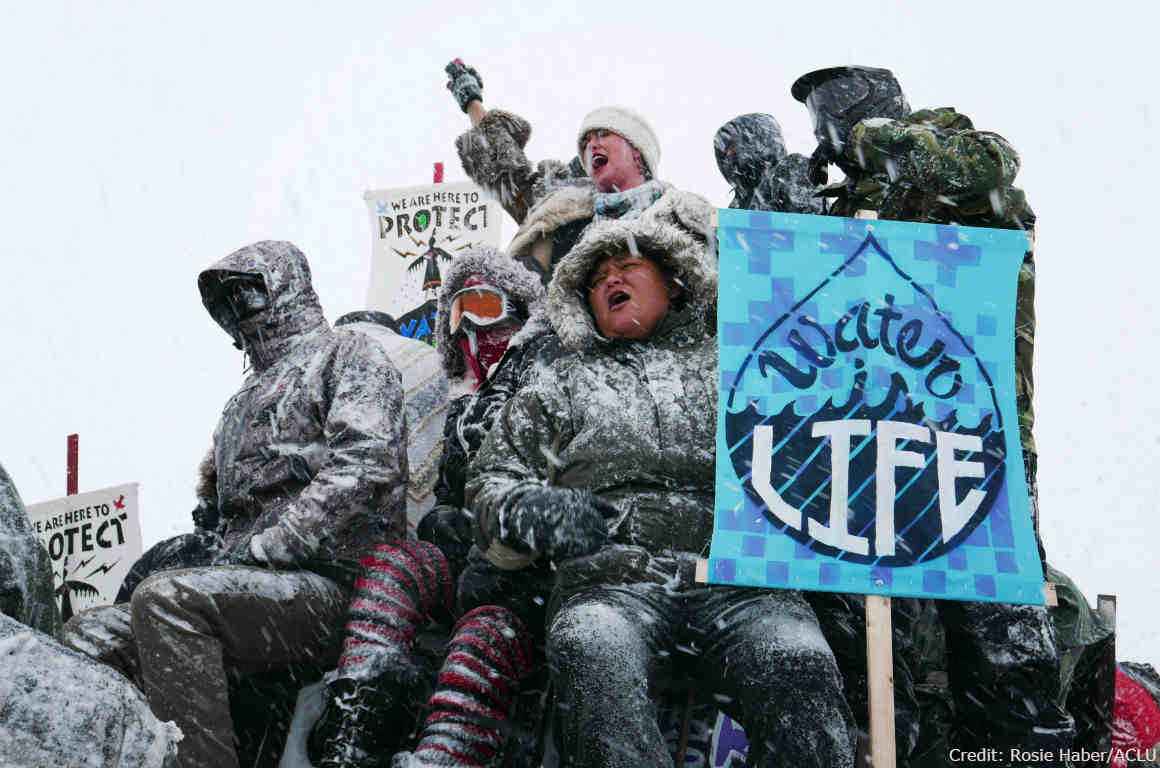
(613, 177)
(603, 467)
(491, 338)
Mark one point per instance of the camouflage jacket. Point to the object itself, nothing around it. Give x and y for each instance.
(933, 166)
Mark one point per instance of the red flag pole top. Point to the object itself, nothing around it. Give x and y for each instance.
(73, 460)
(438, 173)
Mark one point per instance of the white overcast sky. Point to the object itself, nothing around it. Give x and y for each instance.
(142, 142)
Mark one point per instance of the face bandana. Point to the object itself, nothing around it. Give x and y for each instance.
(233, 298)
(483, 347)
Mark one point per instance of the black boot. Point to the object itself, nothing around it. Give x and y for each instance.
(363, 724)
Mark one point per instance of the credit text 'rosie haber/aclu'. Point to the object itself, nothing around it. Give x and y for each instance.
(943, 380)
(1114, 756)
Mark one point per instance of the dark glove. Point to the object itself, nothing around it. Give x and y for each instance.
(448, 528)
(559, 523)
(206, 516)
(819, 172)
(464, 82)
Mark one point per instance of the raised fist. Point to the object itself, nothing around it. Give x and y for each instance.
(464, 82)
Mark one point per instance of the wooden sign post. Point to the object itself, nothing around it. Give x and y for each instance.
(73, 460)
(880, 662)
(880, 675)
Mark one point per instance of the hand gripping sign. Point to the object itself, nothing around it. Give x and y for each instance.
(867, 436)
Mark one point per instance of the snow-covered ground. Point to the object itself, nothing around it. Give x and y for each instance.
(141, 144)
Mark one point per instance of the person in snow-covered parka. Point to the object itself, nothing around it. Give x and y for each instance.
(57, 705)
(308, 468)
(491, 337)
(751, 155)
(603, 468)
(26, 588)
(425, 397)
(932, 165)
(614, 177)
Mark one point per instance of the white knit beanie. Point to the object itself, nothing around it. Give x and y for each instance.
(629, 124)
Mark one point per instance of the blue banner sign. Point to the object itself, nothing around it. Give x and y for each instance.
(867, 434)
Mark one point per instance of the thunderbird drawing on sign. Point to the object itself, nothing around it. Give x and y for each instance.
(432, 277)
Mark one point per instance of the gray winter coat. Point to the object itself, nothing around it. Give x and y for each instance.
(59, 707)
(26, 588)
(632, 421)
(312, 452)
(552, 202)
(425, 395)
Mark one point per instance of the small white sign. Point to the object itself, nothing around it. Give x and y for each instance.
(416, 232)
(93, 539)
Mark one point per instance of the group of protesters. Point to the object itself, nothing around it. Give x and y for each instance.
(557, 525)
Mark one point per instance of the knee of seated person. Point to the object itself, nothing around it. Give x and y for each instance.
(86, 630)
(774, 641)
(588, 631)
(160, 591)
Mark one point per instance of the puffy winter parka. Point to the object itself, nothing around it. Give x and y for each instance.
(471, 415)
(26, 588)
(632, 421)
(312, 451)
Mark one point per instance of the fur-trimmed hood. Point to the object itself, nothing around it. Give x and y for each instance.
(564, 206)
(522, 285)
(569, 204)
(655, 236)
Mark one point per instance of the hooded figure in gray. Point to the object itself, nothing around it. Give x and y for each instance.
(308, 470)
(604, 466)
(309, 459)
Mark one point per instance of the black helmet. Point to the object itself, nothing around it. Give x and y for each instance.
(839, 97)
(745, 147)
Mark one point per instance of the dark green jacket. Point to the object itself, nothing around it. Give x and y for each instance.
(933, 166)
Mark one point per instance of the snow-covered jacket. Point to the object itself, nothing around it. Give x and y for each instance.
(552, 202)
(632, 421)
(934, 166)
(25, 570)
(311, 452)
(425, 396)
(751, 155)
(59, 707)
(470, 416)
